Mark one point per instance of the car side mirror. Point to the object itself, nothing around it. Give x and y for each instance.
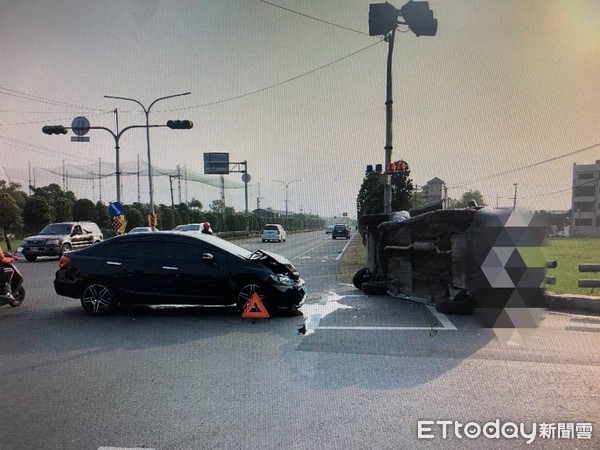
(208, 257)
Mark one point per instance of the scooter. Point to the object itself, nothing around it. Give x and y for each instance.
(17, 289)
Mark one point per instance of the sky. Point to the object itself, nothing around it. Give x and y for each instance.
(297, 89)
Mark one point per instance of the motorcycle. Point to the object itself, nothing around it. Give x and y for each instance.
(16, 285)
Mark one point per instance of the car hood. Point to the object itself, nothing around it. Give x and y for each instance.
(44, 236)
(277, 263)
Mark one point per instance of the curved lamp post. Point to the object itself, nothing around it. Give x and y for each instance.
(286, 194)
(147, 113)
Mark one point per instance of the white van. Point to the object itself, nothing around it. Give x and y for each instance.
(273, 232)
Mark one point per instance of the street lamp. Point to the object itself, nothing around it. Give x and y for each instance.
(147, 113)
(383, 20)
(286, 194)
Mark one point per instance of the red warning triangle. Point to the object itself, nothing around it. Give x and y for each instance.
(255, 309)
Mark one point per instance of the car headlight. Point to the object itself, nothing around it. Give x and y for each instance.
(282, 279)
(52, 242)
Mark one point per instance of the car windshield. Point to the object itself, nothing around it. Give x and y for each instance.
(188, 227)
(270, 228)
(57, 229)
(223, 244)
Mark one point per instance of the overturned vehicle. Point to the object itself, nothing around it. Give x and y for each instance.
(457, 259)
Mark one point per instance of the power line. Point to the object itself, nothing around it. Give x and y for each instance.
(506, 172)
(281, 83)
(315, 18)
(33, 122)
(38, 149)
(37, 98)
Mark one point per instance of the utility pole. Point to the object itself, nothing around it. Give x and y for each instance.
(100, 178)
(515, 197)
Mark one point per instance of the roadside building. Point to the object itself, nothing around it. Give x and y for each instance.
(434, 190)
(585, 205)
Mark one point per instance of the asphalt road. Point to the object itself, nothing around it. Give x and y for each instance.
(352, 372)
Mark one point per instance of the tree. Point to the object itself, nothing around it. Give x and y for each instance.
(52, 192)
(13, 189)
(217, 206)
(63, 210)
(184, 213)
(84, 209)
(134, 218)
(37, 213)
(370, 196)
(463, 202)
(196, 204)
(166, 218)
(9, 215)
(103, 215)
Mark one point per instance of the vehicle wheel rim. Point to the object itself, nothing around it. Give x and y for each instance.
(246, 294)
(19, 297)
(97, 298)
(66, 249)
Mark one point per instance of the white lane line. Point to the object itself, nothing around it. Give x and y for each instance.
(345, 247)
(309, 250)
(442, 318)
(323, 243)
(384, 328)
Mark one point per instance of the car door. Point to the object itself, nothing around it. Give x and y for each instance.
(131, 265)
(193, 272)
(77, 237)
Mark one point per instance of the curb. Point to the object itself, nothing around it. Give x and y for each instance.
(585, 303)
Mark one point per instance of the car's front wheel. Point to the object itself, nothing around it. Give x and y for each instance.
(99, 298)
(66, 248)
(246, 291)
(31, 258)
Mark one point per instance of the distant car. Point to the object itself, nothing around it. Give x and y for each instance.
(168, 267)
(141, 230)
(340, 230)
(273, 232)
(59, 238)
(329, 229)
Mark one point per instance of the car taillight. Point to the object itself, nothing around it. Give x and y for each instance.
(63, 261)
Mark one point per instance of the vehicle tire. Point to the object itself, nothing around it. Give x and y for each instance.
(245, 292)
(99, 299)
(374, 288)
(66, 248)
(264, 240)
(453, 307)
(31, 258)
(19, 297)
(360, 277)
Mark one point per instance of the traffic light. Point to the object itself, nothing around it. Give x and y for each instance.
(54, 129)
(383, 18)
(419, 18)
(180, 124)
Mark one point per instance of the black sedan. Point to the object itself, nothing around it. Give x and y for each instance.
(176, 268)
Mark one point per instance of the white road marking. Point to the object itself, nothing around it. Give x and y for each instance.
(315, 312)
(323, 243)
(442, 318)
(345, 247)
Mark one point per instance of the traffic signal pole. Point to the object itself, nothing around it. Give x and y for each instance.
(387, 192)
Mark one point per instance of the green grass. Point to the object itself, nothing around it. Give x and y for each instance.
(14, 245)
(569, 253)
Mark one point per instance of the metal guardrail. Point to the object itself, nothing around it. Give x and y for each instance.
(588, 268)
